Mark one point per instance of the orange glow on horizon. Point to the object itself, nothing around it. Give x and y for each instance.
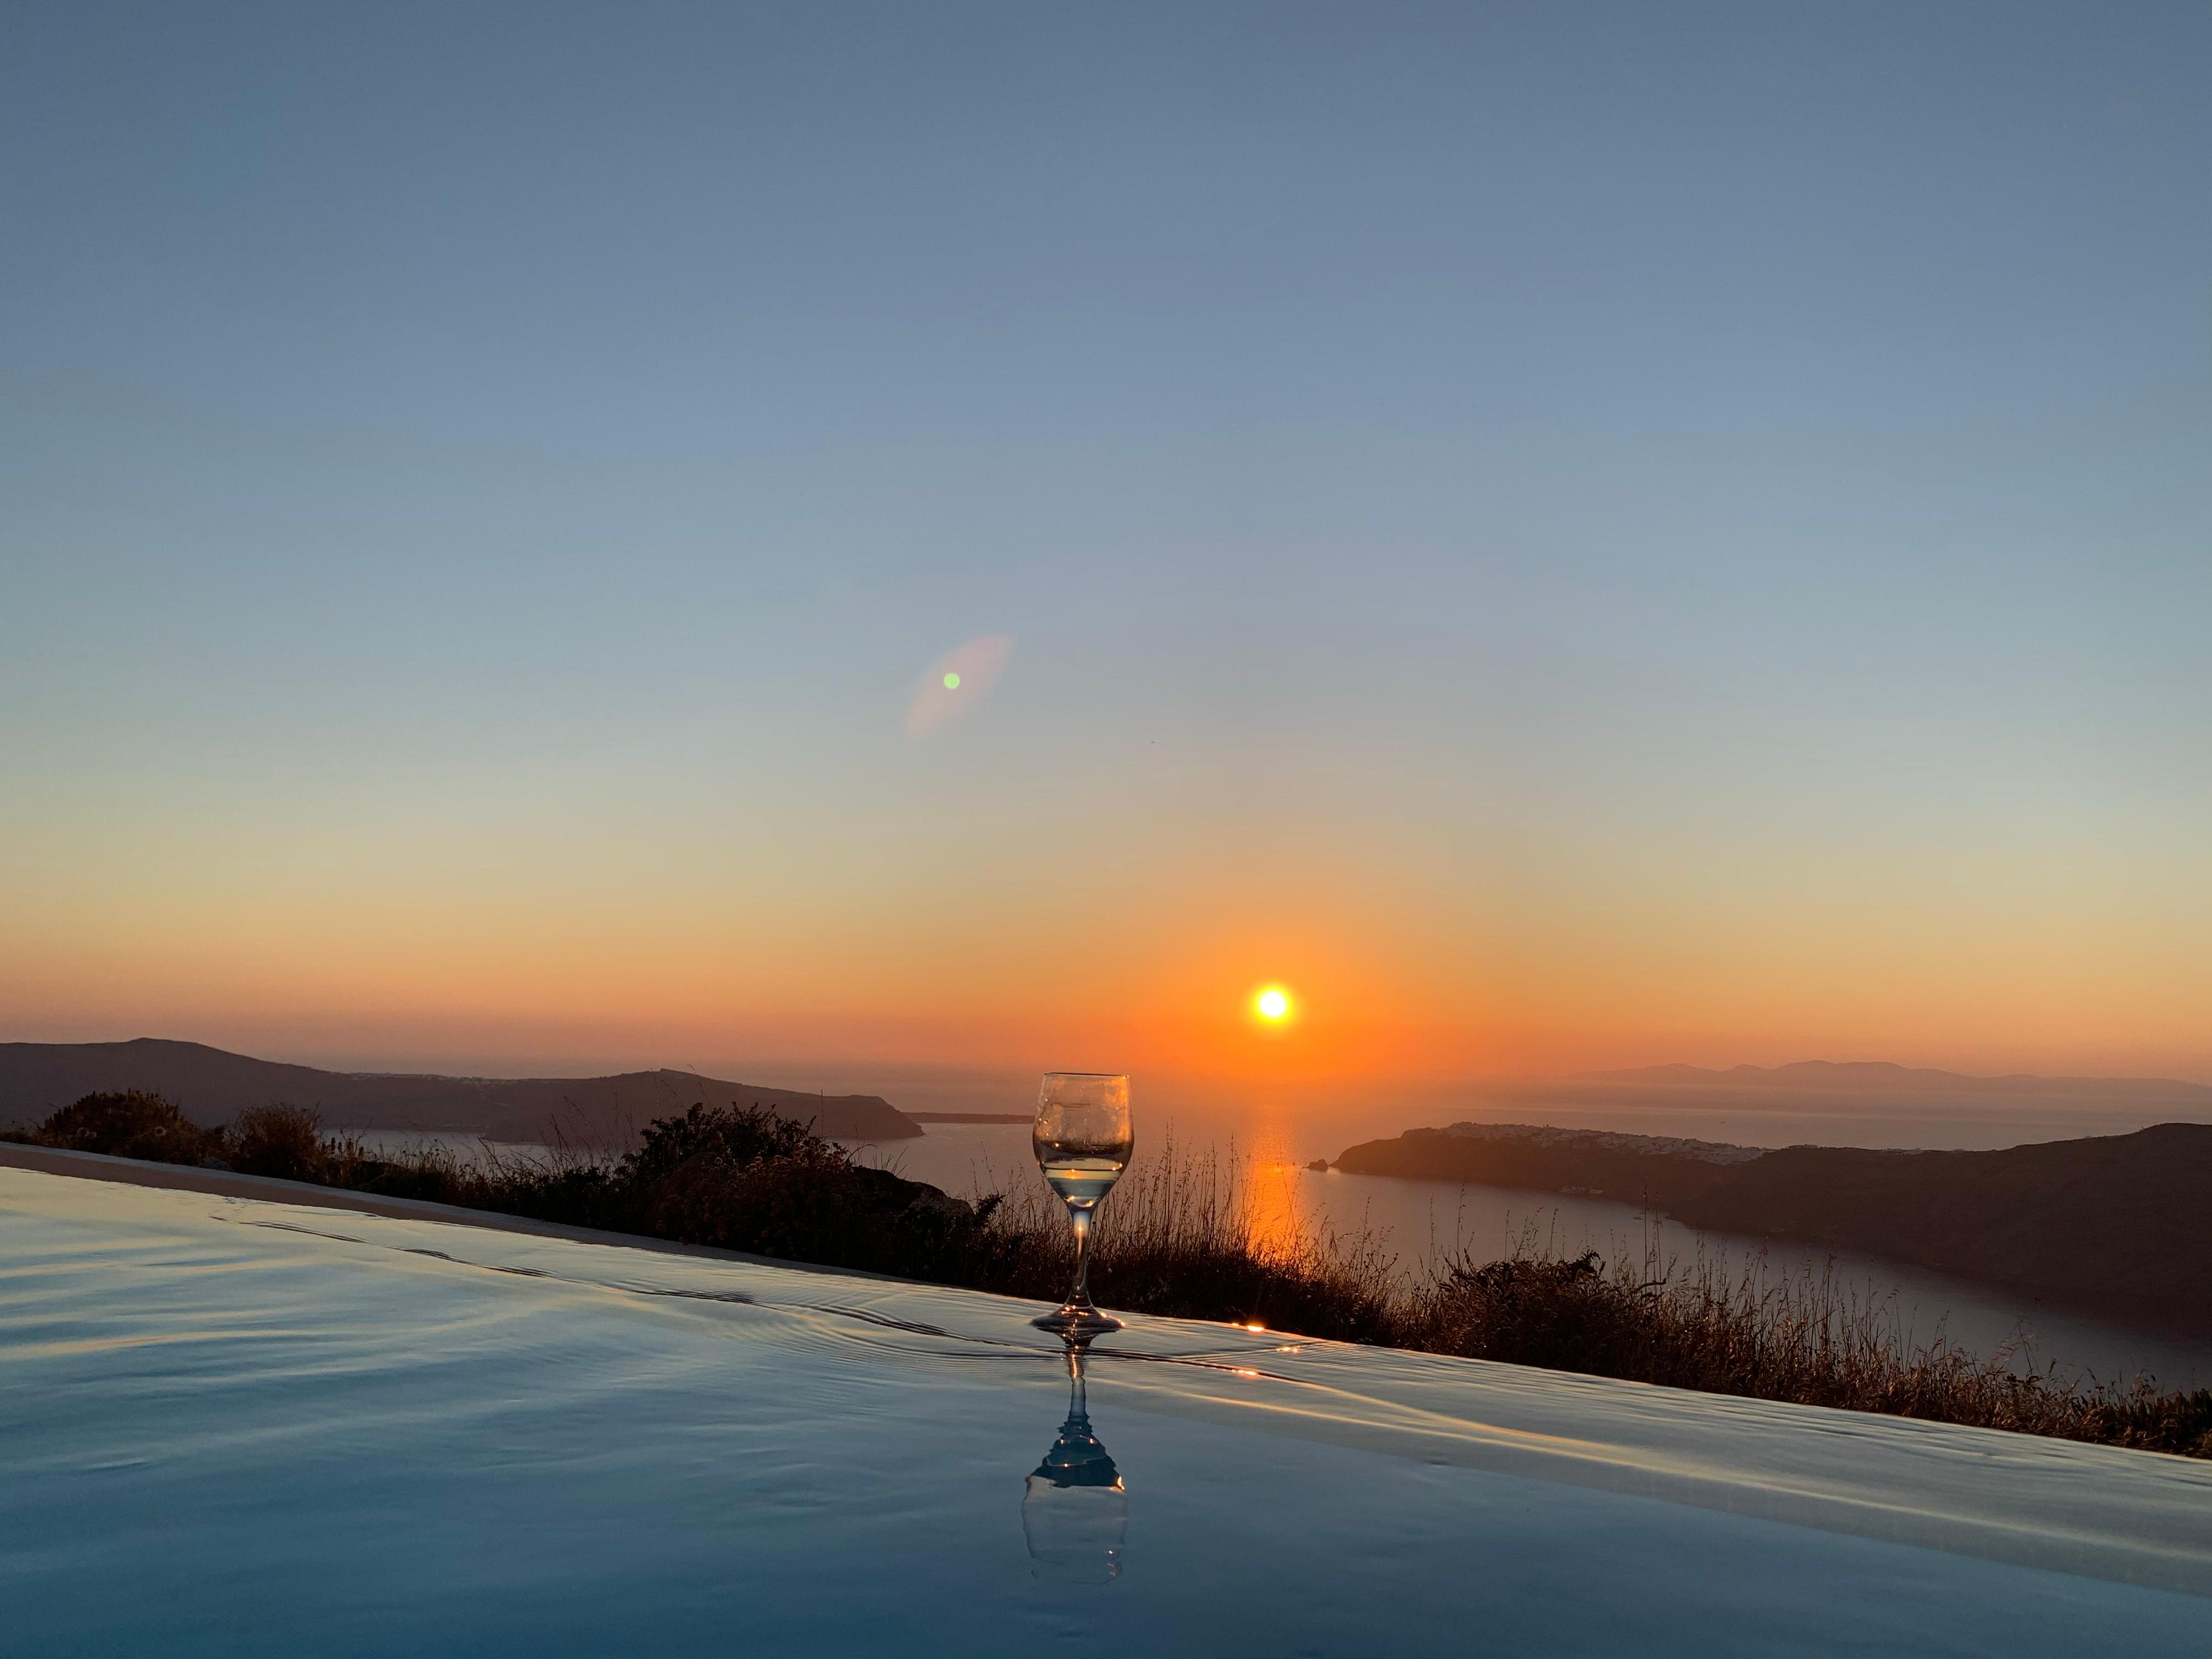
(720, 950)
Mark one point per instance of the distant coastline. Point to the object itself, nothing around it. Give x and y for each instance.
(212, 1086)
(1823, 1083)
(2109, 1223)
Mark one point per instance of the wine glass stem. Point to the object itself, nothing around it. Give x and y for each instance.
(1078, 1218)
(1078, 1408)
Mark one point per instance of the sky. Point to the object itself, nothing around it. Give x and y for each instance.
(1565, 535)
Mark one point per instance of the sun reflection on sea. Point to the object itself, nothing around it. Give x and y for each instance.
(1274, 1219)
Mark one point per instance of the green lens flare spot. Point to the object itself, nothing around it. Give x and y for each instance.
(952, 682)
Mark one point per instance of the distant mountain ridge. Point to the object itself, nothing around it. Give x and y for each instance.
(2109, 1223)
(212, 1085)
(1885, 1077)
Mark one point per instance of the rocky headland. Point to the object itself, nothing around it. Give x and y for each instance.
(2109, 1223)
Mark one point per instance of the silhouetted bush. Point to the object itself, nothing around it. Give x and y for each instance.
(129, 1124)
(719, 1137)
(1566, 1315)
(749, 1180)
(285, 1141)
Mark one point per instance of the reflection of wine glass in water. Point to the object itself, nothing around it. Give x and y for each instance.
(1083, 1138)
(1075, 1510)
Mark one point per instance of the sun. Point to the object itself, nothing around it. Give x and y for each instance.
(1272, 1004)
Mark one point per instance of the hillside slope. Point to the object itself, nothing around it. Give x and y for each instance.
(2113, 1224)
(213, 1086)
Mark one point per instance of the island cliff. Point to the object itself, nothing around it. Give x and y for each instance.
(2112, 1224)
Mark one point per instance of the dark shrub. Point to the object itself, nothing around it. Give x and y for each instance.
(752, 1181)
(574, 1194)
(720, 1138)
(130, 1124)
(802, 1205)
(1568, 1316)
(286, 1141)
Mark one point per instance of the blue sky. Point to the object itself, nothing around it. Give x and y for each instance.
(1588, 534)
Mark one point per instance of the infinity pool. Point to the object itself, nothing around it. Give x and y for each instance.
(238, 1427)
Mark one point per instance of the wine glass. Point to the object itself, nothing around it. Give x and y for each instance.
(1082, 1137)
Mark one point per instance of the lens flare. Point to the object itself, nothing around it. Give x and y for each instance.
(955, 682)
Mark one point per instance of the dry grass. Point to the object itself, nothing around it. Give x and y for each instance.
(1178, 1238)
(1742, 1329)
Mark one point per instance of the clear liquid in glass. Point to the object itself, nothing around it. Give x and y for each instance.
(1080, 1179)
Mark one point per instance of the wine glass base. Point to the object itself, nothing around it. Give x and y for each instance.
(1073, 1321)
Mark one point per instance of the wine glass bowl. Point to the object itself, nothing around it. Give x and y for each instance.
(1083, 1139)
